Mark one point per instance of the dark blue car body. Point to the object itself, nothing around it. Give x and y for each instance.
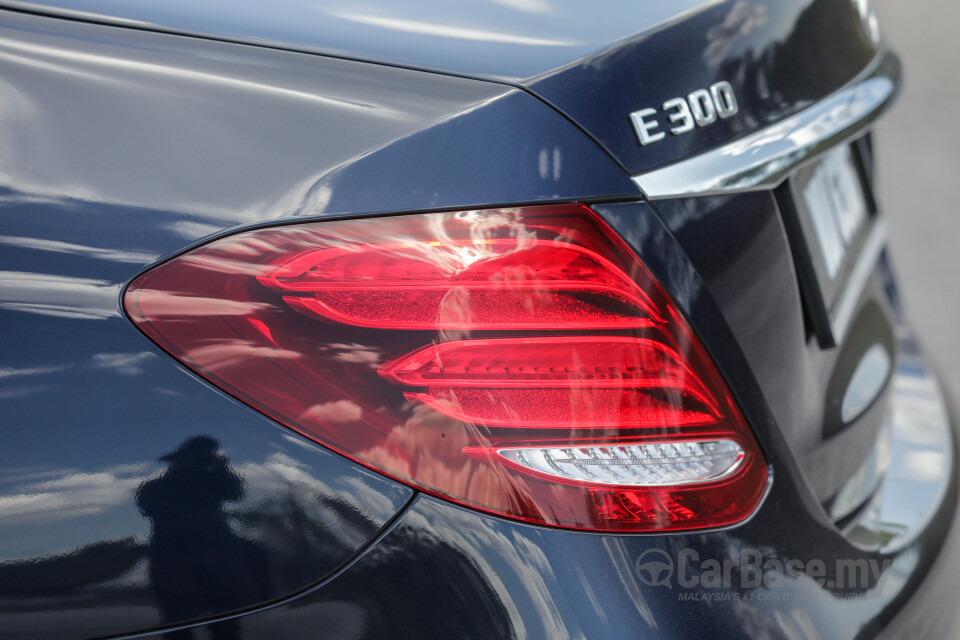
(133, 132)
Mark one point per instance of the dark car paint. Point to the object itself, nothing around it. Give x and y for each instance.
(77, 530)
(122, 146)
(506, 40)
(779, 56)
(220, 135)
(508, 581)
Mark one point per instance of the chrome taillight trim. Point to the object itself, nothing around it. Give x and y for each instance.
(762, 160)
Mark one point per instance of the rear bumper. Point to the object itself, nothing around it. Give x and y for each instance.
(930, 608)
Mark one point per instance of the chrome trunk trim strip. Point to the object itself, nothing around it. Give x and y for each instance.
(763, 159)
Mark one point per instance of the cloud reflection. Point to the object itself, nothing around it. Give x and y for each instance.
(55, 246)
(538, 7)
(70, 494)
(337, 411)
(451, 31)
(170, 304)
(39, 495)
(9, 372)
(221, 354)
(743, 18)
(62, 296)
(128, 364)
(357, 354)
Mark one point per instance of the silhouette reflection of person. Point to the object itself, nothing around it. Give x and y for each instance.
(198, 566)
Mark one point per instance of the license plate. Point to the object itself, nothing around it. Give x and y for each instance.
(834, 228)
(833, 198)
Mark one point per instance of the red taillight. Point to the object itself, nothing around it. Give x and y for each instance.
(555, 382)
(409, 284)
(518, 361)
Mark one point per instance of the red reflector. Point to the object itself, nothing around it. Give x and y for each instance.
(553, 382)
(518, 361)
(463, 284)
(552, 408)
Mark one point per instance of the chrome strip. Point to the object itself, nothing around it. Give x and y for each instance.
(843, 308)
(763, 159)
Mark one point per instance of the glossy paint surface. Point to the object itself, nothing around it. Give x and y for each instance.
(210, 136)
(506, 39)
(779, 57)
(133, 495)
(512, 581)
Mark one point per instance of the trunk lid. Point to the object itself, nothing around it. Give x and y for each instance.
(503, 40)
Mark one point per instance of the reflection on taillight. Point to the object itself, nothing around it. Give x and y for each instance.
(518, 361)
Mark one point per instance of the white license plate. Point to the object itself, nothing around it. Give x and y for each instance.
(836, 237)
(836, 208)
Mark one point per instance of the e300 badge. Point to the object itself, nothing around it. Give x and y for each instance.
(699, 109)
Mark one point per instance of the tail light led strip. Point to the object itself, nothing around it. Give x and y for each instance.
(522, 362)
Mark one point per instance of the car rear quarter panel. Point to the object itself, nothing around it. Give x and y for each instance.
(122, 147)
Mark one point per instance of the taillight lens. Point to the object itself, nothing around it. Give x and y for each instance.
(518, 361)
